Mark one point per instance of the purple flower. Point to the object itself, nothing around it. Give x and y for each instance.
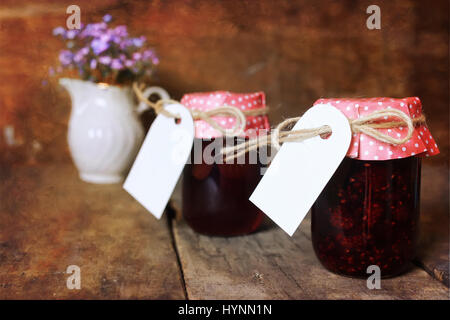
(107, 18)
(138, 42)
(79, 56)
(99, 45)
(59, 31)
(106, 37)
(93, 64)
(150, 54)
(121, 31)
(71, 34)
(94, 30)
(125, 43)
(111, 47)
(137, 56)
(65, 57)
(116, 64)
(122, 57)
(51, 71)
(106, 60)
(115, 38)
(129, 63)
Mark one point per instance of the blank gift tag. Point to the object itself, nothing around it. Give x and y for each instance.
(300, 170)
(161, 160)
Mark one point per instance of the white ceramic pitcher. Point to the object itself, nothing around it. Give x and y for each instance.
(104, 130)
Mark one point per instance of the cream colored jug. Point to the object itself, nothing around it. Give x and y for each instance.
(104, 131)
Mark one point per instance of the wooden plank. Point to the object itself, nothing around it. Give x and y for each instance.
(270, 265)
(435, 260)
(50, 220)
(434, 250)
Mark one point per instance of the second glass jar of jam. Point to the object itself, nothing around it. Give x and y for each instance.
(215, 193)
(368, 213)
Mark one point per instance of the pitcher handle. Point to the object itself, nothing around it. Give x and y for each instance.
(147, 93)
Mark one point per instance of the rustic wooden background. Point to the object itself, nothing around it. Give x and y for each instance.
(295, 51)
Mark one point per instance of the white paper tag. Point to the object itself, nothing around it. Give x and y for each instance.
(161, 160)
(300, 170)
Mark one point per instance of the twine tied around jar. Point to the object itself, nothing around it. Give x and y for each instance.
(206, 116)
(365, 124)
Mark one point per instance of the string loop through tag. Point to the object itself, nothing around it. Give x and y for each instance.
(206, 116)
(366, 124)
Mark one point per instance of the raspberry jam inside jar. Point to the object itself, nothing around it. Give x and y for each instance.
(215, 193)
(368, 214)
(215, 197)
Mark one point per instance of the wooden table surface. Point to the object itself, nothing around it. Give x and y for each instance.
(49, 219)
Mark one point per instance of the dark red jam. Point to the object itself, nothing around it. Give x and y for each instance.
(215, 197)
(368, 214)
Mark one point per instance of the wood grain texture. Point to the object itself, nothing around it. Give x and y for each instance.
(435, 260)
(294, 50)
(270, 265)
(434, 252)
(50, 220)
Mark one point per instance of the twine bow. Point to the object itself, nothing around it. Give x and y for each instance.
(367, 125)
(206, 116)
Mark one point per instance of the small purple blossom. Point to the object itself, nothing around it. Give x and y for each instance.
(71, 34)
(150, 55)
(115, 39)
(138, 42)
(93, 64)
(107, 18)
(155, 60)
(94, 30)
(116, 64)
(80, 55)
(125, 43)
(98, 46)
(59, 31)
(137, 56)
(121, 31)
(122, 57)
(106, 60)
(65, 57)
(129, 63)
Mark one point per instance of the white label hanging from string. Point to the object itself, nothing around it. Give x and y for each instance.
(161, 159)
(300, 170)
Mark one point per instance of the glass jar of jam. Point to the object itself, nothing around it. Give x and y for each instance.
(215, 193)
(368, 213)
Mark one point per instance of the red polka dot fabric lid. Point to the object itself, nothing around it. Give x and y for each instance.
(364, 147)
(210, 100)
